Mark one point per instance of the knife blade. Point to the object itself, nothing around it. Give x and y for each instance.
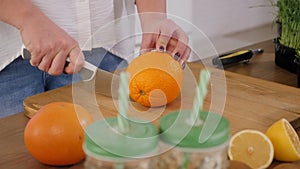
(89, 72)
(234, 57)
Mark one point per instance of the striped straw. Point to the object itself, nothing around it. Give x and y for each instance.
(123, 102)
(201, 91)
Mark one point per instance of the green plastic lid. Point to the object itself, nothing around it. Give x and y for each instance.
(176, 129)
(103, 139)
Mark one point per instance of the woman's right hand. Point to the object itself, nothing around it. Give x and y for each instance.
(50, 45)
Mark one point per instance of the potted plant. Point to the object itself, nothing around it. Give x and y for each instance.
(287, 45)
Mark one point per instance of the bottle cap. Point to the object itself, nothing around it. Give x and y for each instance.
(176, 129)
(104, 139)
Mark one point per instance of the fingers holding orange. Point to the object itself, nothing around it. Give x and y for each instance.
(166, 31)
(179, 50)
(175, 41)
(185, 57)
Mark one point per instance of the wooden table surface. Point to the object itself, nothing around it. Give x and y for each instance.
(248, 103)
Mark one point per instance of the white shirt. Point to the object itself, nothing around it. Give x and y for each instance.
(93, 23)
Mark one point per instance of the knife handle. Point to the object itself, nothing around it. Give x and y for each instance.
(243, 55)
(27, 56)
(295, 123)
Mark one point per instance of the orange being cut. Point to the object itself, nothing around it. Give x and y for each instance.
(155, 79)
(285, 140)
(251, 147)
(55, 134)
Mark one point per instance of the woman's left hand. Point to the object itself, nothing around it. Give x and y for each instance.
(166, 35)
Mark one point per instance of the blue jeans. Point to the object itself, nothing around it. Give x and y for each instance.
(20, 80)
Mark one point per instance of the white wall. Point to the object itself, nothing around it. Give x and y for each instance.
(222, 20)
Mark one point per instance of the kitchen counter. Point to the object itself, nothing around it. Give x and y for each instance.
(249, 103)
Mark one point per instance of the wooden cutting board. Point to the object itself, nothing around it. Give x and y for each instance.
(248, 103)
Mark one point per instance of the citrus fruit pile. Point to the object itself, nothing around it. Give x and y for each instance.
(155, 79)
(55, 134)
(257, 149)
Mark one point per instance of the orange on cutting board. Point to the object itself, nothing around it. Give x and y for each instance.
(251, 147)
(55, 134)
(285, 140)
(155, 79)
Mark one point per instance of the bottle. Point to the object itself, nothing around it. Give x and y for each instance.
(193, 144)
(106, 147)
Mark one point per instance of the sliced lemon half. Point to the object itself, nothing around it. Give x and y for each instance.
(251, 147)
(285, 141)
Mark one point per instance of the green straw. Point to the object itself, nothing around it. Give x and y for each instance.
(194, 120)
(123, 102)
(120, 166)
(186, 159)
(201, 91)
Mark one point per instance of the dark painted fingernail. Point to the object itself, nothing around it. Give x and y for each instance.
(161, 48)
(182, 63)
(177, 56)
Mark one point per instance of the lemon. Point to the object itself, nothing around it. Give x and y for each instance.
(251, 147)
(285, 141)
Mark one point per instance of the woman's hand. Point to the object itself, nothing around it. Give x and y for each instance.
(50, 46)
(166, 35)
(161, 33)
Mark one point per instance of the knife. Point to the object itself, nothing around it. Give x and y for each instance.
(88, 73)
(234, 57)
(296, 123)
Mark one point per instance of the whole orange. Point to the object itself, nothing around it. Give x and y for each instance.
(155, 79)
(55, 134)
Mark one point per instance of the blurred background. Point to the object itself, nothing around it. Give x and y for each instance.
(228, 24)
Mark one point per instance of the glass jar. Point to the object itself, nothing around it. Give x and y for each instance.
(108, 148)
(193, 144)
